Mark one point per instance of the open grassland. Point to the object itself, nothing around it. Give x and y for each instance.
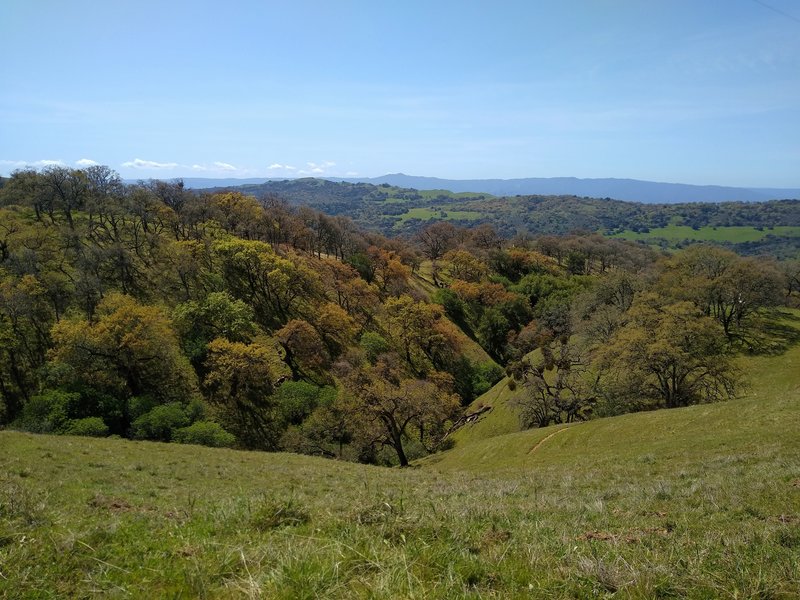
(425, 214)
(701, 502)
(734, 235)
(438, 195)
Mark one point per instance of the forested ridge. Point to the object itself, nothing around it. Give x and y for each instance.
(152, 312)
(395, 210)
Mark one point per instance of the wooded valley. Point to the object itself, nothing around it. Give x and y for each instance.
(153, 312)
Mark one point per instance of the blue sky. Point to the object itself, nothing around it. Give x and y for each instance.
(704, 92)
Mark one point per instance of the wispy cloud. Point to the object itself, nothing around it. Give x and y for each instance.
(138, 163)
(86, 162)
(37, 164)
(311, 168)
(317, 168)
(225, 166)
(14, 164)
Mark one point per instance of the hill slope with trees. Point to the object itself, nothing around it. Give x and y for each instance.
(753, 228)
(151, 312)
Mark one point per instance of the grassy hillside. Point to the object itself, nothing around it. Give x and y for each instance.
(772, 380)
(698, 502)
(734, 235)
(425, 214)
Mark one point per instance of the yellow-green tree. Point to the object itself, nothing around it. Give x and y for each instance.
(129, 350)
(304, 350)
(725, 286)
(277, 287)
(239, 385)
(671, 354)
(387, 407)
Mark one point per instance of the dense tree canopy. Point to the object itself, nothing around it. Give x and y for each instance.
(670, 354)
(154, 312)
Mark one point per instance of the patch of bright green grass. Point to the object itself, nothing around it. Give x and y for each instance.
(433, 194)
(678, 233)
(425, 214)
(438, 194)
(502, 419)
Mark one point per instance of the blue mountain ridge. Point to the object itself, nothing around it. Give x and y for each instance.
(631, 190)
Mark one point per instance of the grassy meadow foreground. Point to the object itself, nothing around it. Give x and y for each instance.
(697, 502)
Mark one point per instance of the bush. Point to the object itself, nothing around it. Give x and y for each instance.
(373, 345)
(47, 412)
(204, 433)
(296, 400)
(159, 423)
(486, 375)
(454, 307)
(90, 426)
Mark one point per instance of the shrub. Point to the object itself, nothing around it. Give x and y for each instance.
(486, 375)
(204, 433)
(90, 426)
(159, 423)
(373, 345)
(47, 412)
(296, 400)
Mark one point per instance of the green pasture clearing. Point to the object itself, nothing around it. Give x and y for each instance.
(433, 194)
(678, 233)
(425, 214)
(437, 195)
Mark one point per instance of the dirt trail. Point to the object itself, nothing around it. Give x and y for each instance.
(545, 438)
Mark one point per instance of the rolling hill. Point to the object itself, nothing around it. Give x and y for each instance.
(697, 502)
(631, 190)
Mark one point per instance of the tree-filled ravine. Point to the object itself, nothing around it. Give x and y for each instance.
(152, 312)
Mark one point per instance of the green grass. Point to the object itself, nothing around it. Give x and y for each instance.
(701, 502)
(433, 194)
(437, 194)
(501, 420)
(678, 233)
(425, 214)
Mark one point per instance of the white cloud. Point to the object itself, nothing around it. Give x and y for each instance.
(317, 168)
(86, 162)
(351, 174)
(325, 164)
(225, 166)
(21, 164)
(199, 168)
(138, 163)
(278, 166)
(17, 164)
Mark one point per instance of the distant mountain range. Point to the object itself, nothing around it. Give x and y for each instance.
(631, 190)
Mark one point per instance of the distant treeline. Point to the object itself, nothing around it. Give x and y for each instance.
(534, 215)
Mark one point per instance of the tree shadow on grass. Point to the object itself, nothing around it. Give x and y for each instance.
(771, 334)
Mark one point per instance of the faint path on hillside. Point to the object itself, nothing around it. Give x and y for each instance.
(545, 438)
